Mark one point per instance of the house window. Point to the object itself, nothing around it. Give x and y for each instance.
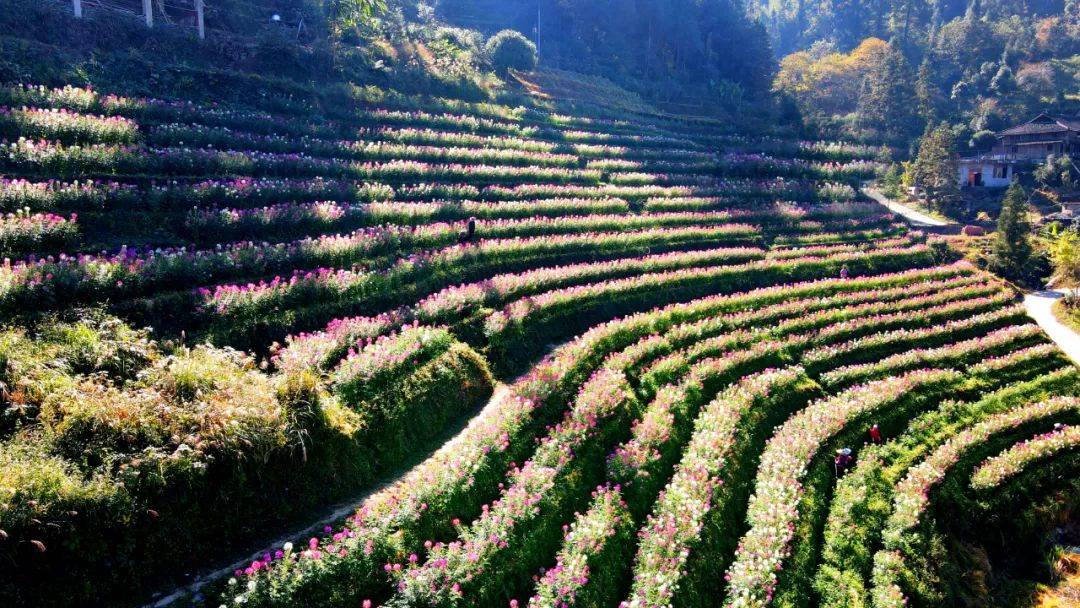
(1001, 171)
(1049, 147)
(1015, 149)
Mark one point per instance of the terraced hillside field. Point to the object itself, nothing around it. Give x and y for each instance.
(594, 360)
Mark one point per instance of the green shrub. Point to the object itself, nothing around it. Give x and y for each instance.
(511, 50)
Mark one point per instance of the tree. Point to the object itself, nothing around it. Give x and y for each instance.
(927, 92)
(350, 13)
(1064, 251)
(1057, 171)
(887, 103)
(934, 170)
(510, 50)
(1012, 253)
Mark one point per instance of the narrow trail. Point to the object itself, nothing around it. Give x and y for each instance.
(915, 217)
(334, 514)
(1040, 306)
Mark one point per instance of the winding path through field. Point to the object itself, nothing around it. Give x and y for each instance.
(333, 516)
(1040, 306)
(917, 218)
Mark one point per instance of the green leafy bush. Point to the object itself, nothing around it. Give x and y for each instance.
(511, 50)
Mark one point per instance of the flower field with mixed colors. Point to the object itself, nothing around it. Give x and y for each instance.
(548, 357)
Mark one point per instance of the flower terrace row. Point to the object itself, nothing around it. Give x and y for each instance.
(246, 192)
(444, 481)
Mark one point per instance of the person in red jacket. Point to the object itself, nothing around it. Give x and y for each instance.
(875, 434)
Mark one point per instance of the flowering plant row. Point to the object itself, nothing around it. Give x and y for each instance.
(50, 281)
(446, 484)
(774, 507)
(532, 320)
(66, 126)
(810, 238)
(511, 531)
(776, 189)
(759, 164)
(410, 280)
(912, 495)
(364, 375)
(596, 544)
(328, 216)
(831, 321)
(429, 137)
(862, 501)
(197, 136)
(837, 151)
(24, 232)
(996, 470)
(677, 527)
(148, 109)
(337, 292)
(109, 159)
(954, 321)
(93, 195)
(996, 342)
(457, 302)
(643, 462)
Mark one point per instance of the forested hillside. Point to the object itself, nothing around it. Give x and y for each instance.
(704, 52)
(889, 68)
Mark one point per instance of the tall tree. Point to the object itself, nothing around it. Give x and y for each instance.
(927, 92)
(1011, 255)
(887, 103)
(934, 170)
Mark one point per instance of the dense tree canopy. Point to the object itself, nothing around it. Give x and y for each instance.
(672, 42)
(981, 64)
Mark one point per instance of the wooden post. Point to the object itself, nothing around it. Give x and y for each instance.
(148, 11)
(200, 22)
(78, 8)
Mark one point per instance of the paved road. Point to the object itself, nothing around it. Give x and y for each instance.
(1040, 307)
(916, 217)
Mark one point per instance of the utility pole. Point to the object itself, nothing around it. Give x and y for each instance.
(538, 5)
(200, 22)
(148, 11)
(78, 8)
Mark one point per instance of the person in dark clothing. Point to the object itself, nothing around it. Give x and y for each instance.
(470, 232)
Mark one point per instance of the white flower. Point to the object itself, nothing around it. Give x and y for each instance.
(252, 585)
(287, 547)
(232, 581)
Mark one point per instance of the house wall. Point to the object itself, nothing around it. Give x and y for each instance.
(1024, 146)
(988, 179)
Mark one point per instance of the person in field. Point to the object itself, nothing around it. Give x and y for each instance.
(842, 461)
(875, 434)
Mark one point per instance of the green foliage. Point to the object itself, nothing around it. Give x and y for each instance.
(350, 13)
(888, 103)
(934, 170)
(510, 50)
(136, 451)
(1012, 255)
(1059, 171)
(1064, 252)
(668, 50)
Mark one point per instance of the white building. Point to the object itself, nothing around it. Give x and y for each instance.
(991, 171)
